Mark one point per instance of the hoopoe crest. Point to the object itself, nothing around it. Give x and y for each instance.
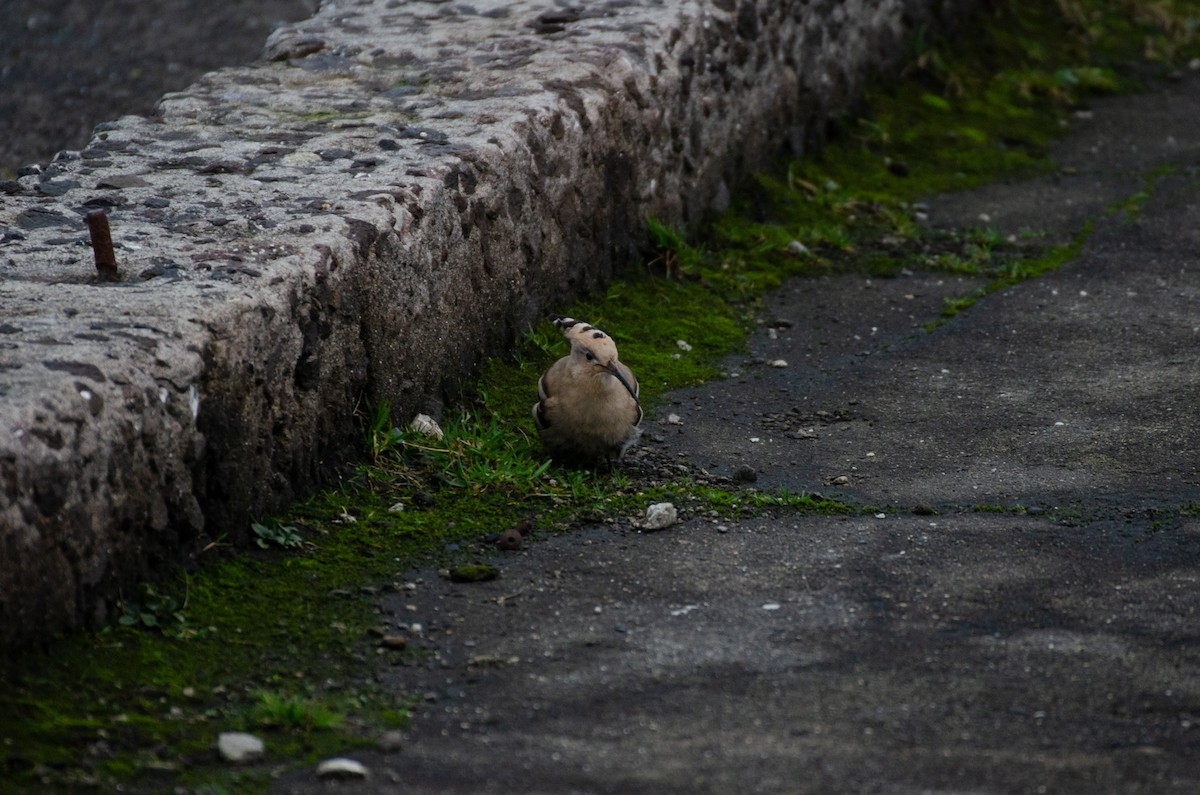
(587, 407)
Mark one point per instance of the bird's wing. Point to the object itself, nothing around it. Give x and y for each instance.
(539, 408)
(634, 387)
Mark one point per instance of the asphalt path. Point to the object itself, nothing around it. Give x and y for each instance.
(1020, 610)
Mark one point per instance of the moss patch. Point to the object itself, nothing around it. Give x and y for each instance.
(282, 639)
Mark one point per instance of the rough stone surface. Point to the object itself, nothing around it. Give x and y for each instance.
(391, 195)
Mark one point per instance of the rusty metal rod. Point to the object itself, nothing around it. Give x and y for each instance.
(102, 246)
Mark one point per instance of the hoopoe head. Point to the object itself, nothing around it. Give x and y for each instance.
(591, 347)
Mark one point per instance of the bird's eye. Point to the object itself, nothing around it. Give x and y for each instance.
(590, 356)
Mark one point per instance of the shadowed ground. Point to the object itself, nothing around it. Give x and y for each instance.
(1019, 615)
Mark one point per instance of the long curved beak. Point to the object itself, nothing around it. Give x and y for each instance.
(612, 368)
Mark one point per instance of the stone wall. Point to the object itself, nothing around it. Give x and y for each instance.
(392, 194)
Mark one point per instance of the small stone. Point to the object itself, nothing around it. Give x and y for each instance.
(683, 346)
(779, 363)
(426, 426)
(396, 508)
(660, 515)
(510, 540)
(391, 741)
(744, 474)
(796, 248)
(239, 747)
(394, 642)
(674, 419)
(342, 769)
(474, 572)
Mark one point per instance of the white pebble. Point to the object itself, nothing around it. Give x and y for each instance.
(683, 346)
(341, 768)
(239, 746)
(779, 363)
(426, 426)
(660, 515)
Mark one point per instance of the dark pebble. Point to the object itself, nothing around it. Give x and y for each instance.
(479, 572)
(510, 540)
(744, 474)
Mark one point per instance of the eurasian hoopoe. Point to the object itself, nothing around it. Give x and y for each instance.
(587, 405)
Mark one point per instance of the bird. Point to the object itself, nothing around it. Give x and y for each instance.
(587, 408)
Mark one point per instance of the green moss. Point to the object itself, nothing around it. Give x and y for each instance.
(252, 639)
(965, 115)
